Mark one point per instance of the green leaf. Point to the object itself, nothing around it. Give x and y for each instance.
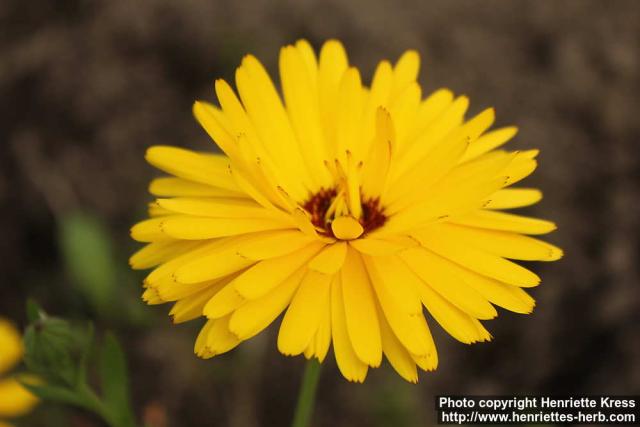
(56, 394)
(47, 344)
(115, 380)
(56, 351)
(86, 346)
(87, 251)
(34, 311)
(58, 354)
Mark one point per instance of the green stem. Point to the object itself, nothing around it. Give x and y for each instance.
(92, 402)
(307, 395)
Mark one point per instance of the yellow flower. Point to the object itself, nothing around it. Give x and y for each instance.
(14, 399)
(347, 207)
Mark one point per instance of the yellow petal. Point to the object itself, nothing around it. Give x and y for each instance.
(506, 222)
(236, 117)
(302, 220)
(168, 268)
(429, 110)
(171, 187)
(456, 322)
(323, 334)
(255, 189)
(505, 244)
(151, 297)
(427, 172)
(346, 228)
(310, 350)
(476, 126)
(223, 302)
(399, 281)
(353, 186)
(457, 201)
(200, 347)
(351, 367)
(330, 259)
(407, 327)
(200, 228)
(404, 110)
(255, 315)
(429, 361)
(481, 262)
(273, 244)
(349, 116)
(377, 166)
(15, 400)
(258, 184)
(381, 86)
(11, 344)
(509, 198)
(218, 260)
(266, 112)
(212, 121)
(155, 210)
(441, 276)
(440, 175)
(302, 319)
(170, 290)
(299, 86)
(333, 63)
(149, 230)
(489, 165)
(406, 70)
(309, 57)
(220, 208)
(521, 167)
(190, 308)
(207, 169)
(381, 246)
(489, 141)
(431, 137)
(506, 296)
(219, 339)
(266, 275)
(396, 353)
(159, 252)
(360, 310)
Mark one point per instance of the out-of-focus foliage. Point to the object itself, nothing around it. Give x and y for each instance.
(87, 252)
(115, 381)
(60, 354)
(98, 275)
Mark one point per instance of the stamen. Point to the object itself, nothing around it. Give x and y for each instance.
(328, 204)
(318, 205)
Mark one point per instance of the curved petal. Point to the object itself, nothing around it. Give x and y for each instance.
(15, 400)
(11, 345)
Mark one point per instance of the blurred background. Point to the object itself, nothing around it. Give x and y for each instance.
(87, 86)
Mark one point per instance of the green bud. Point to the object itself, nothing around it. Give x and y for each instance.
(55, 350)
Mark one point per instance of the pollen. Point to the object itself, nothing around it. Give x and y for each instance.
(319, 206)
(373, 215)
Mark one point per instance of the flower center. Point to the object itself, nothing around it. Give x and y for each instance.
(323, 207)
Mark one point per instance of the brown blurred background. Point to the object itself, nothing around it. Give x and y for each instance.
(87, 86)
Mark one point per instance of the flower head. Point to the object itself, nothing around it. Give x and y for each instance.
(349, 208)
(15, 400)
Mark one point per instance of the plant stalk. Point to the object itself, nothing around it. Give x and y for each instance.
(307, 394)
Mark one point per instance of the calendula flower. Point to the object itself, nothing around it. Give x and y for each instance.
(348, 208)
(14, 399)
